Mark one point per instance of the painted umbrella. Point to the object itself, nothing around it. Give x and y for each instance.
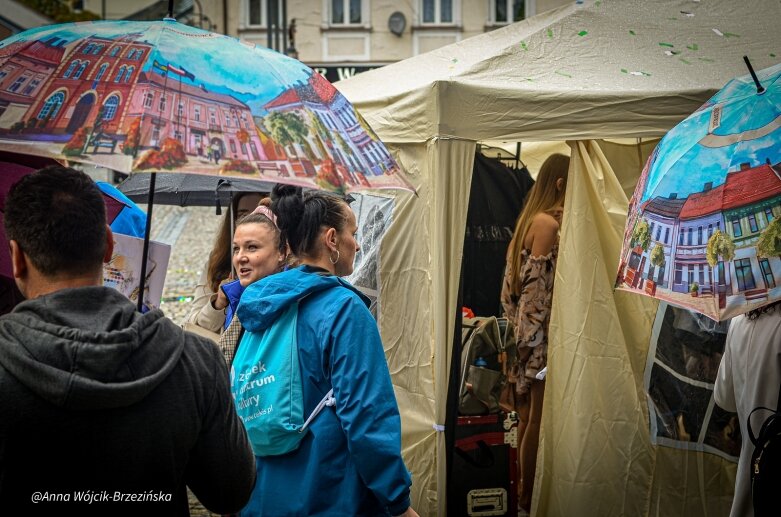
(162, 96)
(704, 229)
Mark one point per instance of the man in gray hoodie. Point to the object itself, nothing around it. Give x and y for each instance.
(103, 410)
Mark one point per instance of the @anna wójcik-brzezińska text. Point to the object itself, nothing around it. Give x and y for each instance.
(100, 496)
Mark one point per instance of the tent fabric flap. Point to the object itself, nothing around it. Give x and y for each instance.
(596, 455)
(419, 273)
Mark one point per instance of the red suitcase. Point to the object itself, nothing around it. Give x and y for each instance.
(485, 458)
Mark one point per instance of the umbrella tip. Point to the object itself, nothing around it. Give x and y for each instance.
(760, 88)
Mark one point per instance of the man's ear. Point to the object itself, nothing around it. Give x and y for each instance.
(109, 245)
(18, 260)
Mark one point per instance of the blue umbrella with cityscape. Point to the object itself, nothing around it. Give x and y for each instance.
(162, 96)
(703, 229)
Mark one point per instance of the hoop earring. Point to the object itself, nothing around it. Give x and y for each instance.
(332, 260)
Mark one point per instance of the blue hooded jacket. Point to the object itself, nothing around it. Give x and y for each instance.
(350, 462)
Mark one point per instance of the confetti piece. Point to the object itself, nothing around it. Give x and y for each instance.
(688, 14)
(772, 55)
(564, 74)
(693, 46)
(671, 52)
(666, 45)
(624, 71)
(646, 74)
(596, 4)
(524, 46)
(731, 35)
(582, 33)
(718, 32)
(550, 33)
(632, 32)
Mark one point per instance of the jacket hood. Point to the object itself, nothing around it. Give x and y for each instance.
(262, 302)
(88, 348)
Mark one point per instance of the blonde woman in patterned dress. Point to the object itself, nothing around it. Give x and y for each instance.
(526, 298)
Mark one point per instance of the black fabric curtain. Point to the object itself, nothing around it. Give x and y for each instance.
(495, 202)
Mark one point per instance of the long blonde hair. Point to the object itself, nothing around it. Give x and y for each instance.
(545, 195)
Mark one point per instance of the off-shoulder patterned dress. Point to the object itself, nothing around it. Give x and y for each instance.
(529, 313)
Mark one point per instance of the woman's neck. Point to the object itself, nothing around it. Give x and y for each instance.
(321, 262)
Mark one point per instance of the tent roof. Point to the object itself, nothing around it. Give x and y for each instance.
(601, 69)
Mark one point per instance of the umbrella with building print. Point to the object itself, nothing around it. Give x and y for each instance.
(162, 96)
(704, 225)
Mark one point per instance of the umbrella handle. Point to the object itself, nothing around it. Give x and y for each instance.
(147, 232)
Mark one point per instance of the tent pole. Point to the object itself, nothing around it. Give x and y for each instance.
(145, 254)
(451, 407)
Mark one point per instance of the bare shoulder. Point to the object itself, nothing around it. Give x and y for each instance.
(543, 234)
(544, 223)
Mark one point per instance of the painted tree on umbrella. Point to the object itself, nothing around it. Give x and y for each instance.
(154, 96)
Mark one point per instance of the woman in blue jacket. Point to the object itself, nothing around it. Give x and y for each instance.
(349, 463)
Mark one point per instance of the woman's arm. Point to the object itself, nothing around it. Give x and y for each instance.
(366, 404)
(202, 312)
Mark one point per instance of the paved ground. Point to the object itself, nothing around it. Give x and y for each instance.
(191, 232)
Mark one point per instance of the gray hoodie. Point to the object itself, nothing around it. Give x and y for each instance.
(109, 411)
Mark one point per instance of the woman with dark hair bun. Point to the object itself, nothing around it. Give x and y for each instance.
(349, 463)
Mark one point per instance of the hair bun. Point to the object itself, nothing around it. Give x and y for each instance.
(288, 205)
(281, 190)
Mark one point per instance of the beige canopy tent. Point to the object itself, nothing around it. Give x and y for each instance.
(582, 73)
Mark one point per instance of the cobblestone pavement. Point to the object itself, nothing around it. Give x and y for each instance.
(190, 231)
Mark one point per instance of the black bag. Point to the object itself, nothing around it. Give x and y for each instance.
(766, 462)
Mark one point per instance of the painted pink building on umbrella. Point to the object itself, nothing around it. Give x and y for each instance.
(96, 75)
(25, 68)
(200, 119)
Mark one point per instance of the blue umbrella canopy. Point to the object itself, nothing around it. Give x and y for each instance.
(704, 226)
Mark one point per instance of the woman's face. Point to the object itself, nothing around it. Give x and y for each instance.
(347, 245)
(255, 253)
(247, 203)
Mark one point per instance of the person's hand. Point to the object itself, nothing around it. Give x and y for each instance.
(221, 301)
(409, 513)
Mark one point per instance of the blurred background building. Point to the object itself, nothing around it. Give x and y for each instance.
(339, 38)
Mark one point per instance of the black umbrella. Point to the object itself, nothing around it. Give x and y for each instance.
(189, 189)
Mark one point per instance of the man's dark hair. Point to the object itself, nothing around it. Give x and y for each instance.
(57, 216)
